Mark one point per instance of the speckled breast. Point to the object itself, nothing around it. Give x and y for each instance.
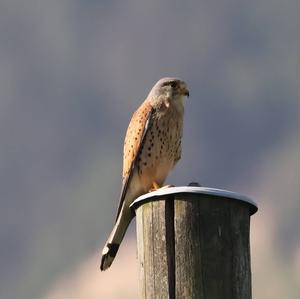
(161, 148)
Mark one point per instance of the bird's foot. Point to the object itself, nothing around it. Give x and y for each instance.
(167, 186)
(155, 187)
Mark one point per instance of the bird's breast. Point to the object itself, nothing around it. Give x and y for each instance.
(161, 148)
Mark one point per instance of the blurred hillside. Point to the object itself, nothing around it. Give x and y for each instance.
(71, 74)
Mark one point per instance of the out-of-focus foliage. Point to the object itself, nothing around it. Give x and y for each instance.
(72, 72)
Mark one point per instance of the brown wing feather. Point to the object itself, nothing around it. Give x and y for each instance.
(134, 138)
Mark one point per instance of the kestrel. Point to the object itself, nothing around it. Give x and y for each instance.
(151, 149)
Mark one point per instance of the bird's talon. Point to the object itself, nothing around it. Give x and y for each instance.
(167, 186)
(156, 187)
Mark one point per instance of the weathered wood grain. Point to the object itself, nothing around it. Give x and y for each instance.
(194, 246)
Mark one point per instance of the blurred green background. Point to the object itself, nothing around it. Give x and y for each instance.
(71, 74)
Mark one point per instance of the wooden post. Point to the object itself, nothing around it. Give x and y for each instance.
(193, 242)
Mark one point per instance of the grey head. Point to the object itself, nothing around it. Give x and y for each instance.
(168, 89)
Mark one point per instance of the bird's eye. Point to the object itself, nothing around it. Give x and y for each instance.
(173, 84)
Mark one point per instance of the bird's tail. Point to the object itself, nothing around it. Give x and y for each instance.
(112, 244)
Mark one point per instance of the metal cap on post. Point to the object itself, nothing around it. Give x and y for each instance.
(193, 242)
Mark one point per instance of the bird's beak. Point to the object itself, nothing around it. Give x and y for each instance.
(186, 92)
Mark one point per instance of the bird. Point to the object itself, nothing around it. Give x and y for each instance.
(152, 147)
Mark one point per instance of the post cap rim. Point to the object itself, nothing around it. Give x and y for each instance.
(195, 190)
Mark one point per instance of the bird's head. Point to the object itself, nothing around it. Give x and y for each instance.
(170, 91)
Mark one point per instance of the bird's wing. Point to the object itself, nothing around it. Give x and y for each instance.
(135, 136)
